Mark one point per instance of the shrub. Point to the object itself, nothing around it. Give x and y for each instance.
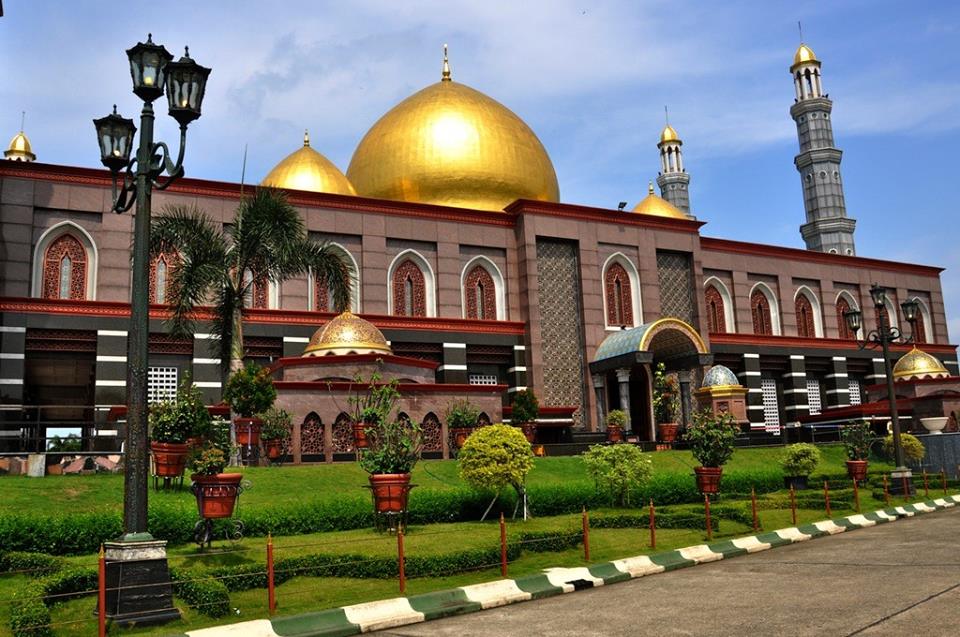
(393, 446)
(666, 396)
(913, 449)
(205, 594)
(711, 437)
(276, 424)
(857, 438)
(617, 418)
(617, 469)
(31, 564)
(461, 414)
(799, 459)
(525, 407)
(29, 615)
(495, 457)
(250, 391)
(208, 460)
(377, 403)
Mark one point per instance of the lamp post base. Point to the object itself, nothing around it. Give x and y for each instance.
(901, 482)
(138, 582)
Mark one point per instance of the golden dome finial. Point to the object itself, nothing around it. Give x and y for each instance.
(445, 76)
(649, 187)
(306, 137)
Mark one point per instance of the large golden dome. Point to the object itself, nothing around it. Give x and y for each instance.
(917, 364)
(347, 334)
(452, 145)
(19, 149)
(306, 169)
(657, 206)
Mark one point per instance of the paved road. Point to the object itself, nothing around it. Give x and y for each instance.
(894, 579)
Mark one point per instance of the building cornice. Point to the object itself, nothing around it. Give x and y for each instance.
(603, 215)
(797, 342)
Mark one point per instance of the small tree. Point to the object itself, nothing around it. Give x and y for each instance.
(617, 469)
(666, 396)
(276, 424)
(525, 407)
(857, 438)
(913, 449)
(616, 418)
(494, 458)
(461, 414)
(711, 437)
(250, 391)
(799, 459)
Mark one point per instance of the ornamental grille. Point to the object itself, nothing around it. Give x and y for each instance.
(483, 379)
(804, 313)
(842, 328)
(814, 401)
(38, 339)
(161, 384)
(676, 285)
(856, 398)
(771, 405)
(489, 354)
(716, 319)
(561, 328)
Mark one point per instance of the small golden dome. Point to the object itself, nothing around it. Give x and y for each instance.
(669, 134)
(306, 169)
(347, 334)
(451, 145)
(804, 54)
(19, 149)
(654, 205)
(917, 364)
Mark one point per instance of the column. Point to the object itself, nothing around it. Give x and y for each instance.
(838, 383)
(517, 374)
(623, 379)
(454, 367)
(685, 406)
(795, 391)
(877, 376)
(206, 369)
(750, 378)
(13, 342)
(598, 392)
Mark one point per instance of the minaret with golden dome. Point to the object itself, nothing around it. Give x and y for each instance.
(674, 181)
(19, 148)
(828, 228)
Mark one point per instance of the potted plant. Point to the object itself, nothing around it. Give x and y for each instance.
(525, 409)
(249, 391)
(666, 404)
(711, 438)
(461, 419)
(168, 440)
(194, 412)
(616, 421)
(857, 438)
(216, 492)
(372, 408)
(798, 462)
(393, 449)
(275, 431)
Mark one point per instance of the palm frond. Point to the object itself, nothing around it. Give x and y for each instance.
(328, 265)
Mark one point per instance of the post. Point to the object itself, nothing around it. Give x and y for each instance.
(401, 567)
(793, 506)
(943, 480)
(856, 495)
(826, 497)
(653, 526)
(503, 546)
(753, 505)
(102, 594)
(706, 509)
(906, 487)
(271, 587)
(586, 535)
(886, 491)
(885, 338)
(926, 484)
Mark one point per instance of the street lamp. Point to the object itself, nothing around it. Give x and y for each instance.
(883, 336)
(152, 71)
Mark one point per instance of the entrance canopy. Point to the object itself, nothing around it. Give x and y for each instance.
(668, 340)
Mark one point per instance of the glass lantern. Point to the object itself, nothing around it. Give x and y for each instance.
(148, 63)
(115, 136)
(186, 84)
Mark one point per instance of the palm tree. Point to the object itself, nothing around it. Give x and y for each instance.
(220, 266)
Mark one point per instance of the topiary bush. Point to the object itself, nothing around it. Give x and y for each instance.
(711, 437)
(250, 391)
(857, 438)
(496, 457)
(913, 449)
(617, 470)
(799, 459)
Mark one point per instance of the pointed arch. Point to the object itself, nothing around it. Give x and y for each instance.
(765, 310)
(719, 306)
(494, 304)
(432, 433)
(161, 274)
(809, 316)
(83, 279)
(319, 299)
(889, 312)
(621, 292)
(411, 284)
(923, 332)
(845, 303)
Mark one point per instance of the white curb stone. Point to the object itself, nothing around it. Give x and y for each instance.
(255, 628)
(699, 554)
(751, 544)
(903, 511)
(923, 507)
(386, 613)
(830, 527)
(885, 515)
(944, 502)
(861, 520)
(638, 566)
(793, 534)
(561, 577)
(498, 593)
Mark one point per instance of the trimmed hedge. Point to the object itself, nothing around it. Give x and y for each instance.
(203, 593)
(663, 520)
(29, 564)
(29, 610)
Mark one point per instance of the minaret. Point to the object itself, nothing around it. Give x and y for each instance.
(673, 179)
(828, 229)
(19, 148)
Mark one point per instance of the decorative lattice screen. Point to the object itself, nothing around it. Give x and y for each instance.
(813, 397)
(483, 379)
(771, 405)
(161, 384)
(856, 397)
(675, 277)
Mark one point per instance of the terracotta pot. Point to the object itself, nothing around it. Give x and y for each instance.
(460, 435)
(217, 494)
(390, 491)
(614, 433)
(248, 431)
(857, 469)
(708, 479)
(169, 458)
(667, 431)
(529, 431)
(195, 442)
(360, 435)
(274, 448)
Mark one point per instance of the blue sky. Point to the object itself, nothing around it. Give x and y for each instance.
(591, 79)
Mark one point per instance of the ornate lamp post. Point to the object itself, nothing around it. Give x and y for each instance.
(152, 70)
(883, 336)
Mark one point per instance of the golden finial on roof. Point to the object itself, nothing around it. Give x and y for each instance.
(649, 187)
(445, 76)
(306, 137)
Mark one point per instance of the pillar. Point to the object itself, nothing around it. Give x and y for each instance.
(685, 404)
(623, 379)
(13, 343)
(795, 391)
(838, 383)
(750, 378)
(598, 391)
(454, 367)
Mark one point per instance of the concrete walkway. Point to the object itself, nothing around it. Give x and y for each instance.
(892, 579)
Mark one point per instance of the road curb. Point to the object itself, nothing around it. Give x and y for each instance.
(400, 611)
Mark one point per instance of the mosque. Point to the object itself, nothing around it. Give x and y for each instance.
(472, 272)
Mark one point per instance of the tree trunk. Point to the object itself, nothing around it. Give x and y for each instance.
(236, 364)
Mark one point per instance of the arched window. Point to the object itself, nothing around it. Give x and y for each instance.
(716, 317)
(842, 328)
(409, 290)
(65, 269)
(760, 309)
(322, 300)
(259, 290)
(161, 268)
(619, 295)
(805, 321)
(919, 330)
(480, 294)
(883, 317)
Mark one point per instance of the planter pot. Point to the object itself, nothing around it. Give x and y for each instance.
(797, 482)
(195, 442)
(667, 431)
(248, 431)
(360, 435)
(274, 448)
(708, 479)
(217, 494)
(460, 435)
(614, 433)
(934, 425)
(390, 491)
(857, 469)
(529, 431)
(169, 458)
